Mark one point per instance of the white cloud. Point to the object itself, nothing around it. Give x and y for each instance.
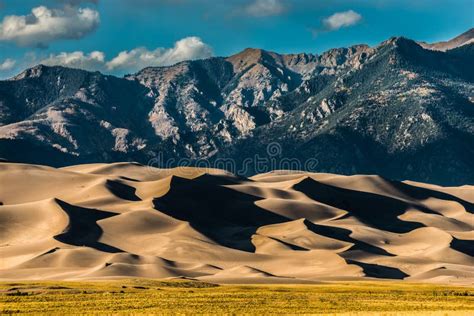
(92, 61)
(7, 64)
(341, 19)
(263, 8)
(45, 25)
(188, 48)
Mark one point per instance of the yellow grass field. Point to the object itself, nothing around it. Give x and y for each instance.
(189, 297)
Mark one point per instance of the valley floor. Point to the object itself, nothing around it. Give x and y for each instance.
(192, 297)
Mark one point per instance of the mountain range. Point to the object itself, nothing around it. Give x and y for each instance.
(402, 109)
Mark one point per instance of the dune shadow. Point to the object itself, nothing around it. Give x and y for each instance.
(379, 271)
(224, 215)
(123, 191)
(287, 244)
(83, 229)
(344, 235)
(424, 193)
(129, 179)
(464, 246)
(372, 209)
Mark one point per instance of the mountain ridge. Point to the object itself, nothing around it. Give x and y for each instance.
(459, 41)
(356, 109)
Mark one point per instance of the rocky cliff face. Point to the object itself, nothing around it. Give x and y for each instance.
(396, 109)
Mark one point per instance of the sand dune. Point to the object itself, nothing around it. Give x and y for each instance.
(128, 220)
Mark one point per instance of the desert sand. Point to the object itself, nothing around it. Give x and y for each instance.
(122, 220)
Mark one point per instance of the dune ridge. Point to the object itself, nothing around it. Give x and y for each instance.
(126, 220)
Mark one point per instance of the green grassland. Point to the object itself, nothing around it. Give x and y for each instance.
(192, 297)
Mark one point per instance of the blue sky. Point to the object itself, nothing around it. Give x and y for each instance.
(126, 35)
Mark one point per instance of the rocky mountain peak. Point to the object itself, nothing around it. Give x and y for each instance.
(399, 41)
(247, 58)
(48, 72)
(33, 72)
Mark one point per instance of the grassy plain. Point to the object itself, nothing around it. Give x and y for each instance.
(188, 297)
